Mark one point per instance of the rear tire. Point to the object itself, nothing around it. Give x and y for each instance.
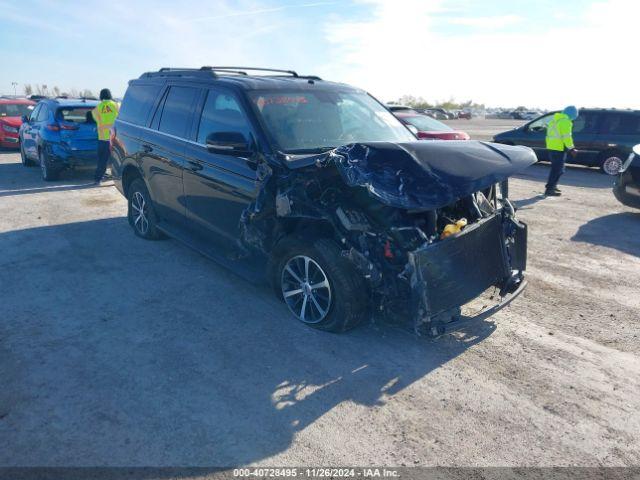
(49, 173)
(141, 214)
(610, 163)
(332, 296)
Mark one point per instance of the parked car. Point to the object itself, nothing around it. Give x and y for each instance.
(465, 114)
(400, 108)
(11, 112)
(429, 128)
(603, 137)
(59, 134)
(437, 113)
(627, 186)
(318, 188)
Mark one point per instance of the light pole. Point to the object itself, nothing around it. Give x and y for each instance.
(15, 84)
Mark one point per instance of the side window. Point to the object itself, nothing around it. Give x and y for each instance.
(177, 111)
(34, 113)
(540, 124)
(43, 114)
(222, 113)
(621, 124)
(137, 102)
(585, 123)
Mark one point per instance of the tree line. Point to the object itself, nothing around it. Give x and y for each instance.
(451, 104)
(41, 89)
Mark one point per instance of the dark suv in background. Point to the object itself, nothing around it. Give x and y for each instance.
(603, 137)
(319, 188)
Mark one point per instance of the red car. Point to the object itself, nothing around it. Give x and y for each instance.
(430, 128)
(11, 112)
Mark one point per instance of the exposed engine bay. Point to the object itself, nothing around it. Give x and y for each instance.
(428, 224)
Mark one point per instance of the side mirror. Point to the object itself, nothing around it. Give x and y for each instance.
(231, 143)
(25, 119)
(636, 149)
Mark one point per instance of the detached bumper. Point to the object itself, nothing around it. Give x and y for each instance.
(454, 271)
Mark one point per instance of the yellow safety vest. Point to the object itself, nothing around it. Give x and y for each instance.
(105, 114)
(559, 133)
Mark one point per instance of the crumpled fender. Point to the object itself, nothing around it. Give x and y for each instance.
(428, 174)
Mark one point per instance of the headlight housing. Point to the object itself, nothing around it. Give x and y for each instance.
(9, 129)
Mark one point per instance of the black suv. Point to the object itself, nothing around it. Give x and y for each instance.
(318, 188)
(603, 137)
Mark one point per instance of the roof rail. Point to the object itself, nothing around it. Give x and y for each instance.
(257, 69)
(208, 72)
(180, 72)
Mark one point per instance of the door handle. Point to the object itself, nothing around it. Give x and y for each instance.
(147, 148)
(194, 166)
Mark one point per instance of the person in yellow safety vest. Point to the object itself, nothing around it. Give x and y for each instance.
(559, 141)
(104, 114)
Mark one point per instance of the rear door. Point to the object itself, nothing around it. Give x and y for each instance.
(219, 187)
(163, 148)
(585, 129)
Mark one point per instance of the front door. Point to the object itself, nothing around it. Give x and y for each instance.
(218, 186)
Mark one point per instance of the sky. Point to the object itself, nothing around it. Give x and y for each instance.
(543, 53)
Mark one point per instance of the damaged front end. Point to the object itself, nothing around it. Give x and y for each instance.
(428, 224)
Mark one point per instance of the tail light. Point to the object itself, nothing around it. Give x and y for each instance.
(56, 127)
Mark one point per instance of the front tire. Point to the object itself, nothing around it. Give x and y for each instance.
(49, 174)
(321, 288)
(23, 157)
(141, 214)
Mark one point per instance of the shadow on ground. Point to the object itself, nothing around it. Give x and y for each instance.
(120, 351)
(620, 231)
(575, 176)
(16, 179)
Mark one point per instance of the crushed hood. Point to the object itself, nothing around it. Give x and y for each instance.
(428, 174)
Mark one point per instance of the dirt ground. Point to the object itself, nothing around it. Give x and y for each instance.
(119, 351)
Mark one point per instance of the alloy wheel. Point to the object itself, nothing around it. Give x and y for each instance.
(306, 289)
(140, 213)
(612, 165)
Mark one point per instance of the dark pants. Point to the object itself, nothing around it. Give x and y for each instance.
(103, 159)
(557, 168)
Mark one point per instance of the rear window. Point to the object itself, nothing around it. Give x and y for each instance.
(75, 115)
(137, 103)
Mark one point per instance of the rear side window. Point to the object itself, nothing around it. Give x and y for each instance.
(222, 113)
(177, 111)
(621, 124)
(137, 103)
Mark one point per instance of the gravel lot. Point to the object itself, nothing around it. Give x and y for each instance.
(118, 351)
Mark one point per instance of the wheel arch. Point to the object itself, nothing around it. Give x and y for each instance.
(129, 173)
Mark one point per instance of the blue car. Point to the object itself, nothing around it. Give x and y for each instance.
(59, 134)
